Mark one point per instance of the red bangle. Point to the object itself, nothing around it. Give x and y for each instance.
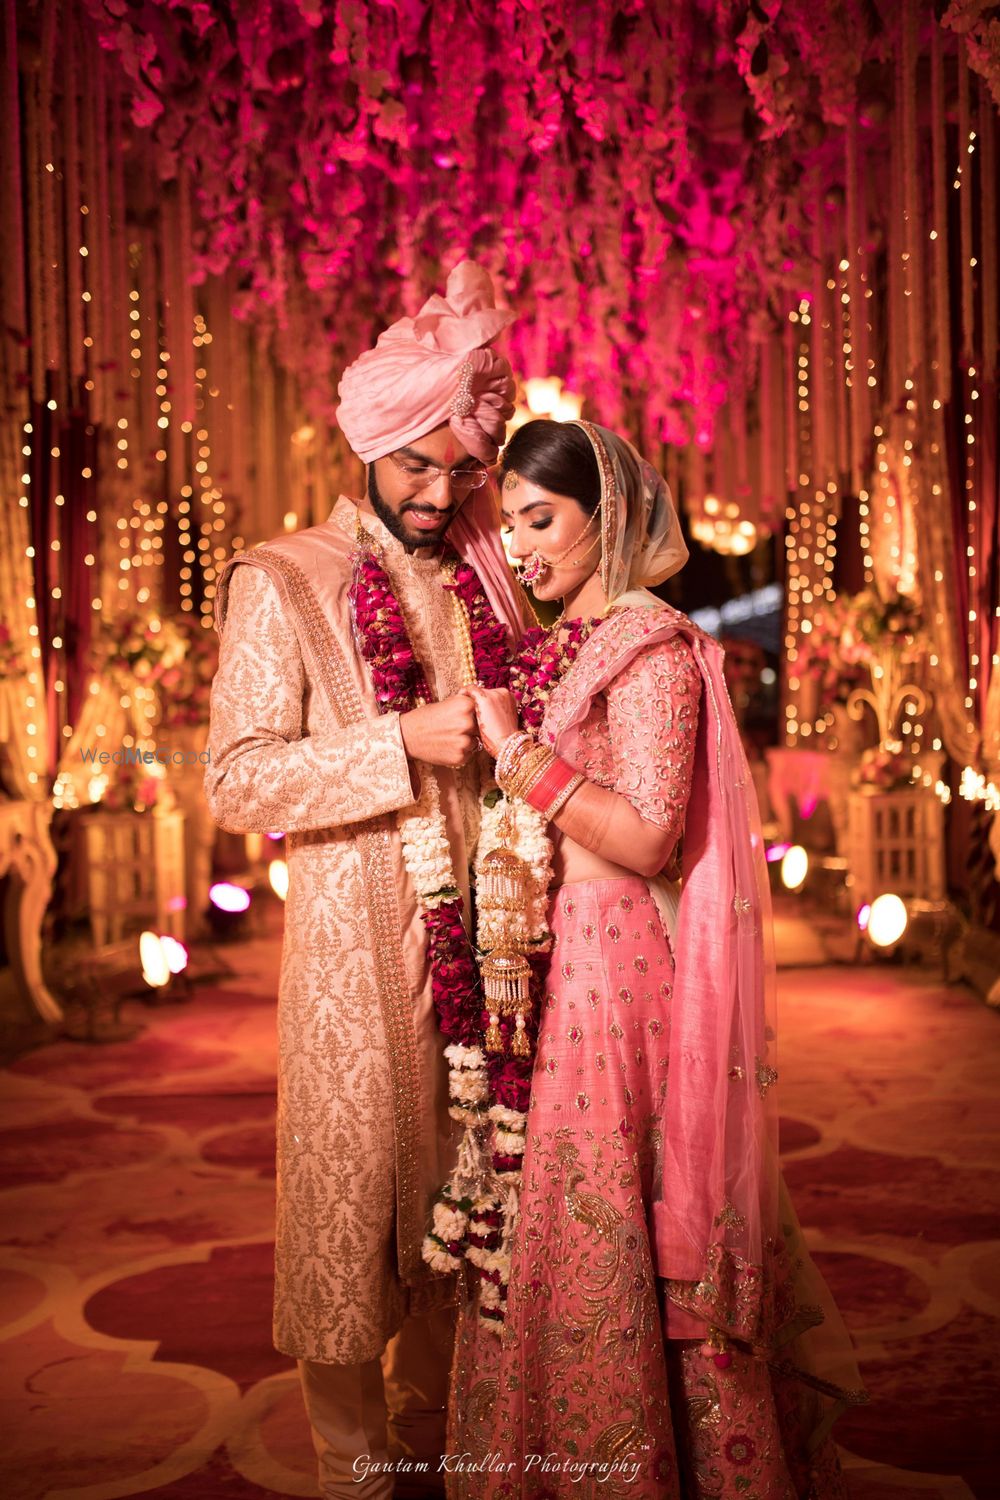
(551, 782)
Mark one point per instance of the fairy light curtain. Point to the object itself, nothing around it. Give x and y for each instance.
(734, 230)
(146, 432)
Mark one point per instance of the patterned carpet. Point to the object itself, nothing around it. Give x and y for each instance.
(136, 1184)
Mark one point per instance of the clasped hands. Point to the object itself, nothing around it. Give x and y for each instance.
(447, 733)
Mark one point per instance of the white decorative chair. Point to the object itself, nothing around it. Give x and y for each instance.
(895, 842)
(133, 867)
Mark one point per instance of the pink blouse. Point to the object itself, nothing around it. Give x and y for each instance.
(639, 737)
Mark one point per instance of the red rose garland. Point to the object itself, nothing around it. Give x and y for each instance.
(543, 659)
(480, 1086)
(400, 685)
(486, 1088)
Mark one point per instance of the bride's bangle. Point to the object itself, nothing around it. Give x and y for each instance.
(554, 787)
(530, 765)
(535, 774)
(510, 753)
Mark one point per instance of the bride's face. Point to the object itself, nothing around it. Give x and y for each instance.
(555, 527)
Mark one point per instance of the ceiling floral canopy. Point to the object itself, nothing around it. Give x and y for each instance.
(633, 174)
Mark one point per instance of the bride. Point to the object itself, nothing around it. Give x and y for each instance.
(664, 1332)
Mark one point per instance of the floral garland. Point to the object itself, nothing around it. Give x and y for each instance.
(400, 685)
(486, 633)
(543, 659)
(474, 1213)
(380, 630)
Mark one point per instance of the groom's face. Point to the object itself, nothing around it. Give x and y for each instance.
(417, 491)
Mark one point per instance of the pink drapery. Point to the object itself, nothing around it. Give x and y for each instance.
(725, 1237)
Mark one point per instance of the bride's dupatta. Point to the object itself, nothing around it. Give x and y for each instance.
(725, 1239)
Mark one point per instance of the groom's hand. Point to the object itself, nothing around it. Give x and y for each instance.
(441, 734)
(496, 713)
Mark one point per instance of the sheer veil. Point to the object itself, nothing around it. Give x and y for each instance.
(726, 1242)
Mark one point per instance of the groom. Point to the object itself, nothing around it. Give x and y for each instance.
(298, 744)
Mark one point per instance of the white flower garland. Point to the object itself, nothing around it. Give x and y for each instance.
(426, 851)
(476, 1188)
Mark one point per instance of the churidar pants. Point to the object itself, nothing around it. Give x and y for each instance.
(385, 1412)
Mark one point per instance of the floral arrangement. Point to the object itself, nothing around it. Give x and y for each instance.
(175, 656)
(12, 663)
(545, 655)
(849, 635)
(646, 305)
(474, 1213)
(138, 646)
(184, 687)
(883, 768)
(131, 789)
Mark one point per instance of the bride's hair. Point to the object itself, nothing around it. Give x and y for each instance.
(559, 457)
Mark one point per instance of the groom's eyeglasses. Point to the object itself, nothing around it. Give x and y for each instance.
(420, 476)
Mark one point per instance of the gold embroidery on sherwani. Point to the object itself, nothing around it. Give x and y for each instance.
(383, 912)
(282, 758)
(337, 1291)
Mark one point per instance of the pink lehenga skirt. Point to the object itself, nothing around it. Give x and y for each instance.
(580, 1394)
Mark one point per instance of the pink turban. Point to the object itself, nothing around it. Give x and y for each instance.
(432, 369)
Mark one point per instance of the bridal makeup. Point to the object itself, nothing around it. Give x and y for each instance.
(553, 545)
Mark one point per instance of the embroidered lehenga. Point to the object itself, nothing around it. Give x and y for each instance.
(665, 1333)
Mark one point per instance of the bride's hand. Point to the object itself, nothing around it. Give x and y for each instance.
(497, 716)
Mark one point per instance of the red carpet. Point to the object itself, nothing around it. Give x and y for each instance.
(136, 1202)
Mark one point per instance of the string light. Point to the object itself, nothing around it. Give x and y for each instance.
(212, 522)
(811, 537)
(33, 691)
(720, 526)
(972, 523)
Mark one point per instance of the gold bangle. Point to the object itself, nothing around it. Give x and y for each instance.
(510, 752)
(533, 773)
(509, 767)
(527, 771)
(515, 787)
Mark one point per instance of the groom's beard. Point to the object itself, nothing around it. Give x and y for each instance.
(395, 523)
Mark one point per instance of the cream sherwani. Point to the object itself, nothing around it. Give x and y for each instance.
(297, 744)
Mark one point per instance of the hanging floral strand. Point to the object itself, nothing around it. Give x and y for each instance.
(939, 213)
(912, 223)
(990, 269)
(52, 299)
(14, 297)
(75, 354)
(36, 290)
(856, 321)
(963, 182)
(475, 1211)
